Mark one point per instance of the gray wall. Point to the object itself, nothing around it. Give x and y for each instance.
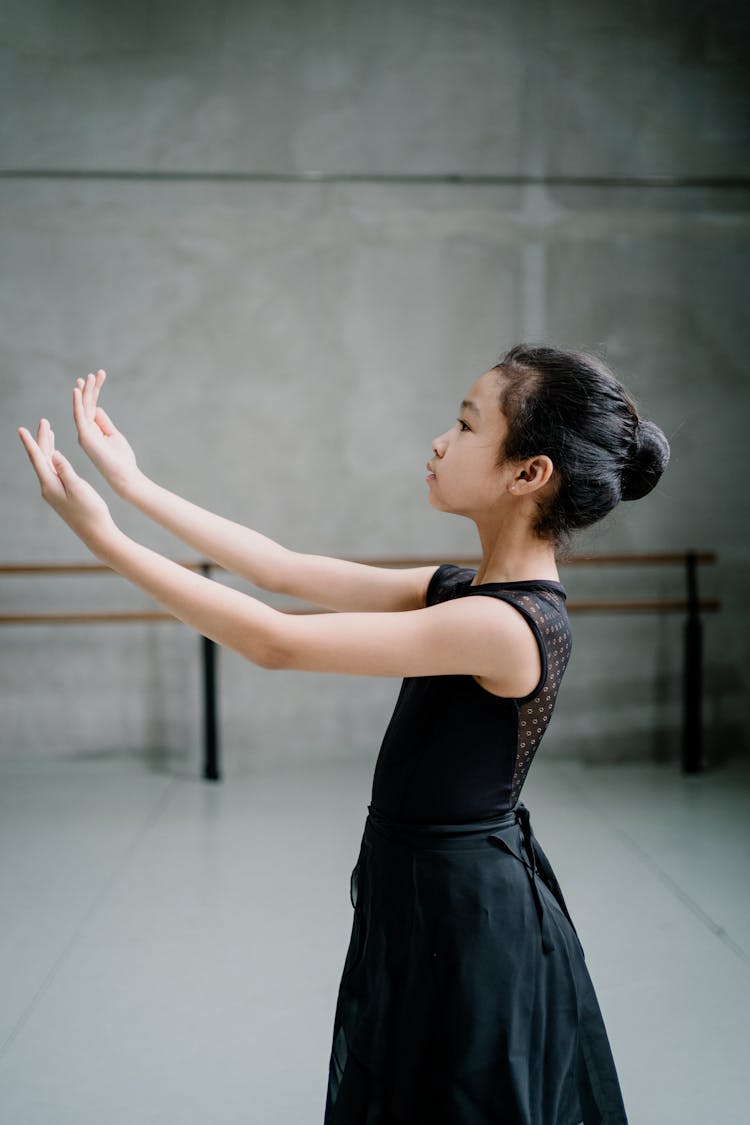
(282, 350)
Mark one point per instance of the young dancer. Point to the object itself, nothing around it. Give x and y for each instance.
(465, 997)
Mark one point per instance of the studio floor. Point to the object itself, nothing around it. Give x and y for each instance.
(170, 948)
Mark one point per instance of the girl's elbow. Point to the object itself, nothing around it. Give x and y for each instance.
(267, 643)
(273, 655)
(282, 573)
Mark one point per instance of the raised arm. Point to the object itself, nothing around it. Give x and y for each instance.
(477, 636)
(332, 583)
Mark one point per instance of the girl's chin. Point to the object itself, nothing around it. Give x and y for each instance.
(435, 501)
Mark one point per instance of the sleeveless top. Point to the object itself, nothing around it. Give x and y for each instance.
(454, 752)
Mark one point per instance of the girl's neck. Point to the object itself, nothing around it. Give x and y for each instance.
(513, 554)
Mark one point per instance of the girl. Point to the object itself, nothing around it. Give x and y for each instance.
(465, 997)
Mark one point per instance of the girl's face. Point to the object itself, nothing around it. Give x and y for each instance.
(463, 474)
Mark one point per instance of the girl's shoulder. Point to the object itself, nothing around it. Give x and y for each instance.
(448, 582)
(451, 581)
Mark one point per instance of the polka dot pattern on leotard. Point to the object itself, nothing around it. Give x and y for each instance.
(548, 614)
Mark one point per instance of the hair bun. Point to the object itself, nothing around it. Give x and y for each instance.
(647, 463)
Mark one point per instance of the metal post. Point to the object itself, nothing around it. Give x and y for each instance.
(692, 731)
(211, 770)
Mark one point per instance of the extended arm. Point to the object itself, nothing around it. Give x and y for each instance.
(333, 583)
(475, 636)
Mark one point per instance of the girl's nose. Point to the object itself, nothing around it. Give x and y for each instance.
(438, 445)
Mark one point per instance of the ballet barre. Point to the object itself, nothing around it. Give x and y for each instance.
(692, 605)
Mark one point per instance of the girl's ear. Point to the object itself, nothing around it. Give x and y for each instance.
(533, 474)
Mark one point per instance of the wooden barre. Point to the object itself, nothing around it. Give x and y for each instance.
(640, 605)
(80, 618)
(77, 568)
(664, 558)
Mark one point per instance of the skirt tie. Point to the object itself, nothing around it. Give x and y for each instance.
(532, 868)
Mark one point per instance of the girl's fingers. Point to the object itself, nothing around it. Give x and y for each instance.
(101, 375)
(91, 390)
(79, 411)
(104, 422)
(39, 460)
(88, 396)
(64, 471)
(44, 438)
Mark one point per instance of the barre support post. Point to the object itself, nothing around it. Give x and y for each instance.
(692, 716)
(211, 770)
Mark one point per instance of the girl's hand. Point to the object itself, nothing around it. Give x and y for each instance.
(99, 437)
(73, 498)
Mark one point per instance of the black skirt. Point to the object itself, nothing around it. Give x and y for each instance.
(465, 997)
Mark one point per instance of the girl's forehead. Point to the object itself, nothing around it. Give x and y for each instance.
(484, 390)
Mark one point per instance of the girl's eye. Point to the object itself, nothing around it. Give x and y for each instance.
(462, 425)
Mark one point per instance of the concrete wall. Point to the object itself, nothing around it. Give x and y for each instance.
(282, 351)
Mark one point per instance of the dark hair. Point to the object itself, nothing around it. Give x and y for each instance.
(569, 406)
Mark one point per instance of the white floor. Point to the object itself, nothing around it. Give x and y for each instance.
(170, 949)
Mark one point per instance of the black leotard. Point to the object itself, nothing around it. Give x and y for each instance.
(454, 752)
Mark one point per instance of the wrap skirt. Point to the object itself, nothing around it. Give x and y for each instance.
(465, 998)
